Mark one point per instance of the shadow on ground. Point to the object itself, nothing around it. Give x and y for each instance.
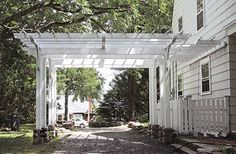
(118, 142)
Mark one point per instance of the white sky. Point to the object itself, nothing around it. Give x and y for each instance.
(108, 74)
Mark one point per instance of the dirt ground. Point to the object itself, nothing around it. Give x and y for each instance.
(115, 140)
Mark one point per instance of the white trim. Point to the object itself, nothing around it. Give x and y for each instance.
(202, 62)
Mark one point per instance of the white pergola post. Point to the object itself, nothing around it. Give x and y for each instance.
(153, 94)
(164, 95)
(52, 93)
(41, 92)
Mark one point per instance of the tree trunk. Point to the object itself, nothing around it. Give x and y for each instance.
(66, 104)
(131, 96)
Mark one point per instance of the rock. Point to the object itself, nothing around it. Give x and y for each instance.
(204, 151)
(168, 136)
(130, 124)
(155, 130)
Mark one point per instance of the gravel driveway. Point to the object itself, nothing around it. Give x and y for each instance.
(114, 140)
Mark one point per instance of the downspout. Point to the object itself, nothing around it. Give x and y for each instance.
(36, 47)
(38, 114)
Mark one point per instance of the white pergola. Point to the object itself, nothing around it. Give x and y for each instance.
(94, 50)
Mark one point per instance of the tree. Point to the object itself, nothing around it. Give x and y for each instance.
(128, 98)
(17, 68)
(65, 16)
(17, 79)
(80, 82)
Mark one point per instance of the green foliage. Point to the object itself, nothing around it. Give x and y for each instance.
(115, 106)
(80, 82)
(17, 80)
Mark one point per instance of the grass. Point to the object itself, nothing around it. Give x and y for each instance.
(21, 141)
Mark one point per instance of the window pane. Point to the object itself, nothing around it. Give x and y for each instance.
(180, 24)
(200, 20)
(205, 70)
(205, 86)
(180, 93)
(199, 5)
(180, 84)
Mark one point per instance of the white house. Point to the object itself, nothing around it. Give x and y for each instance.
(76, 109)
(203, 89)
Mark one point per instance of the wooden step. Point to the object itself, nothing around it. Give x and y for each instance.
(183, 149)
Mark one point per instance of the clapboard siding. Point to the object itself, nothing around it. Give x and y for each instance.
(220, 68)
(220, 85)
(220, 76)
(220, 60)
(218, 14)
(181, 8)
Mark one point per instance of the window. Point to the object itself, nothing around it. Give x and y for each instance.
(199, 14)
(205, 76)
(59, 117)
(70, 116)
(180, 84)
(180, 24)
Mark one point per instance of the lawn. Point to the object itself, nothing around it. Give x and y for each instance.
(21, 142)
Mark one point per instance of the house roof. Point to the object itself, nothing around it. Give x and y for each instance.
(73, 107)
(118, 50)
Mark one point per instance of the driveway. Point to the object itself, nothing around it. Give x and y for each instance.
(114, 140)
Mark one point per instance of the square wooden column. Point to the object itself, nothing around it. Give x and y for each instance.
(40, 91)
(52, 93)
(164, 95)
(153, 94)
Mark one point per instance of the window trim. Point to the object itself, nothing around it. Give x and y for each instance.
(203, 15)
(203, 62)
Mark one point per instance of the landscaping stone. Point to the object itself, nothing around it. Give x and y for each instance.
(168, 136)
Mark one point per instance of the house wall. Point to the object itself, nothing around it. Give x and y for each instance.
(220, 17)
(219, 14)
(220, 76)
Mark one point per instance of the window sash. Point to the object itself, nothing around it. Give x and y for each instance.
(199, 6)
(205, 77)
(180, 24)
(200, 20)
(180, 84)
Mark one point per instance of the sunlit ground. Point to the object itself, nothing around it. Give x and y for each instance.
(21, 142)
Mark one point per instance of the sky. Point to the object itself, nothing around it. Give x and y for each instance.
(108, 74)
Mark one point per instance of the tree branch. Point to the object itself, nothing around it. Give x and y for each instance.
(57, 23)
(21, 13)
(96, 22)
(85, 17)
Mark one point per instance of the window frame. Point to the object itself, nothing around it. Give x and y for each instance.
(203, 14)
(203, 62)
(180, 90)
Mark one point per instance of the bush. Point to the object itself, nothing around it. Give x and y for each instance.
(143, 118)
